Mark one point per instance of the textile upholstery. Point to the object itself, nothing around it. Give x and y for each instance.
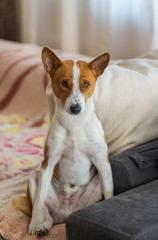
(131, 215)
(24, 119)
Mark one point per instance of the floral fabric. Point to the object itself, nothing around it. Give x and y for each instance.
(21, 145)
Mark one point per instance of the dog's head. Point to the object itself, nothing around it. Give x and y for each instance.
(73, 82)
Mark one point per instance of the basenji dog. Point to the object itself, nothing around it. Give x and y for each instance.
(75, 172)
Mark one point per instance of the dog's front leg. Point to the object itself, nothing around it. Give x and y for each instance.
(102, 164)
(38, 221)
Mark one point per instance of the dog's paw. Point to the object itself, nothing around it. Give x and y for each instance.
(32, 228)
(108, 194)
(41, 229)
(35, 222)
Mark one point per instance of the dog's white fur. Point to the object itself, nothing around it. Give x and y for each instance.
(76, 96)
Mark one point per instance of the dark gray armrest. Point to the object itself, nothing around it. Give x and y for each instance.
(132, 215)
(135, 167)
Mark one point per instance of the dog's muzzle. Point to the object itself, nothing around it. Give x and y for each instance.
(75, 108)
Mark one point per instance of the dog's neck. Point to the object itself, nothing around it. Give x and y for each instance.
(69, 121)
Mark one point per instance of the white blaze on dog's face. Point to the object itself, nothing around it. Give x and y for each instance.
(73, 82)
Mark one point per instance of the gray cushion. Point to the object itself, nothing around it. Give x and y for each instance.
(135, 167)
(132, 215)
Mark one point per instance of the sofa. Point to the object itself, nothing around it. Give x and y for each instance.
(132, 214)
(130, 130)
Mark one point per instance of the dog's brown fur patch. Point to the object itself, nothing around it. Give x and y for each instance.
(45, 160)
(86, 74)
(24, 203)
(64, 72)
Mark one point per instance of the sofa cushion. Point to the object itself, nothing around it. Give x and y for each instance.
(22, 81)
(132, 215)
(135, 166)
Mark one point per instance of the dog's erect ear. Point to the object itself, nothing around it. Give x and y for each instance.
(99, 64)
(50, 61)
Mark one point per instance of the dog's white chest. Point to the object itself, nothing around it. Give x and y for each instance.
(77, 141)
(74, 164)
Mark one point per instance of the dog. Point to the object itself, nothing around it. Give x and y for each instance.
(76, 171)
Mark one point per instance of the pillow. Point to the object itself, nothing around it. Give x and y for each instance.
(126, 100)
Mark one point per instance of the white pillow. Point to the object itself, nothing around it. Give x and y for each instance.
(126, 100)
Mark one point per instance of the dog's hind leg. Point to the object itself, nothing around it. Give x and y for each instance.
(47, 224)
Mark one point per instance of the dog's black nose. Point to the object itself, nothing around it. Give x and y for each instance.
(75, 108)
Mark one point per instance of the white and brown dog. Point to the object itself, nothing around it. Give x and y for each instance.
(75, 172)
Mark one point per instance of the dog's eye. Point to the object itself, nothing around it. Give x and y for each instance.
(65, 84)
(85, 84)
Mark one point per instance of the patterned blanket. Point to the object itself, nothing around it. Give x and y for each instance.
(21, 146)
(21, 150)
